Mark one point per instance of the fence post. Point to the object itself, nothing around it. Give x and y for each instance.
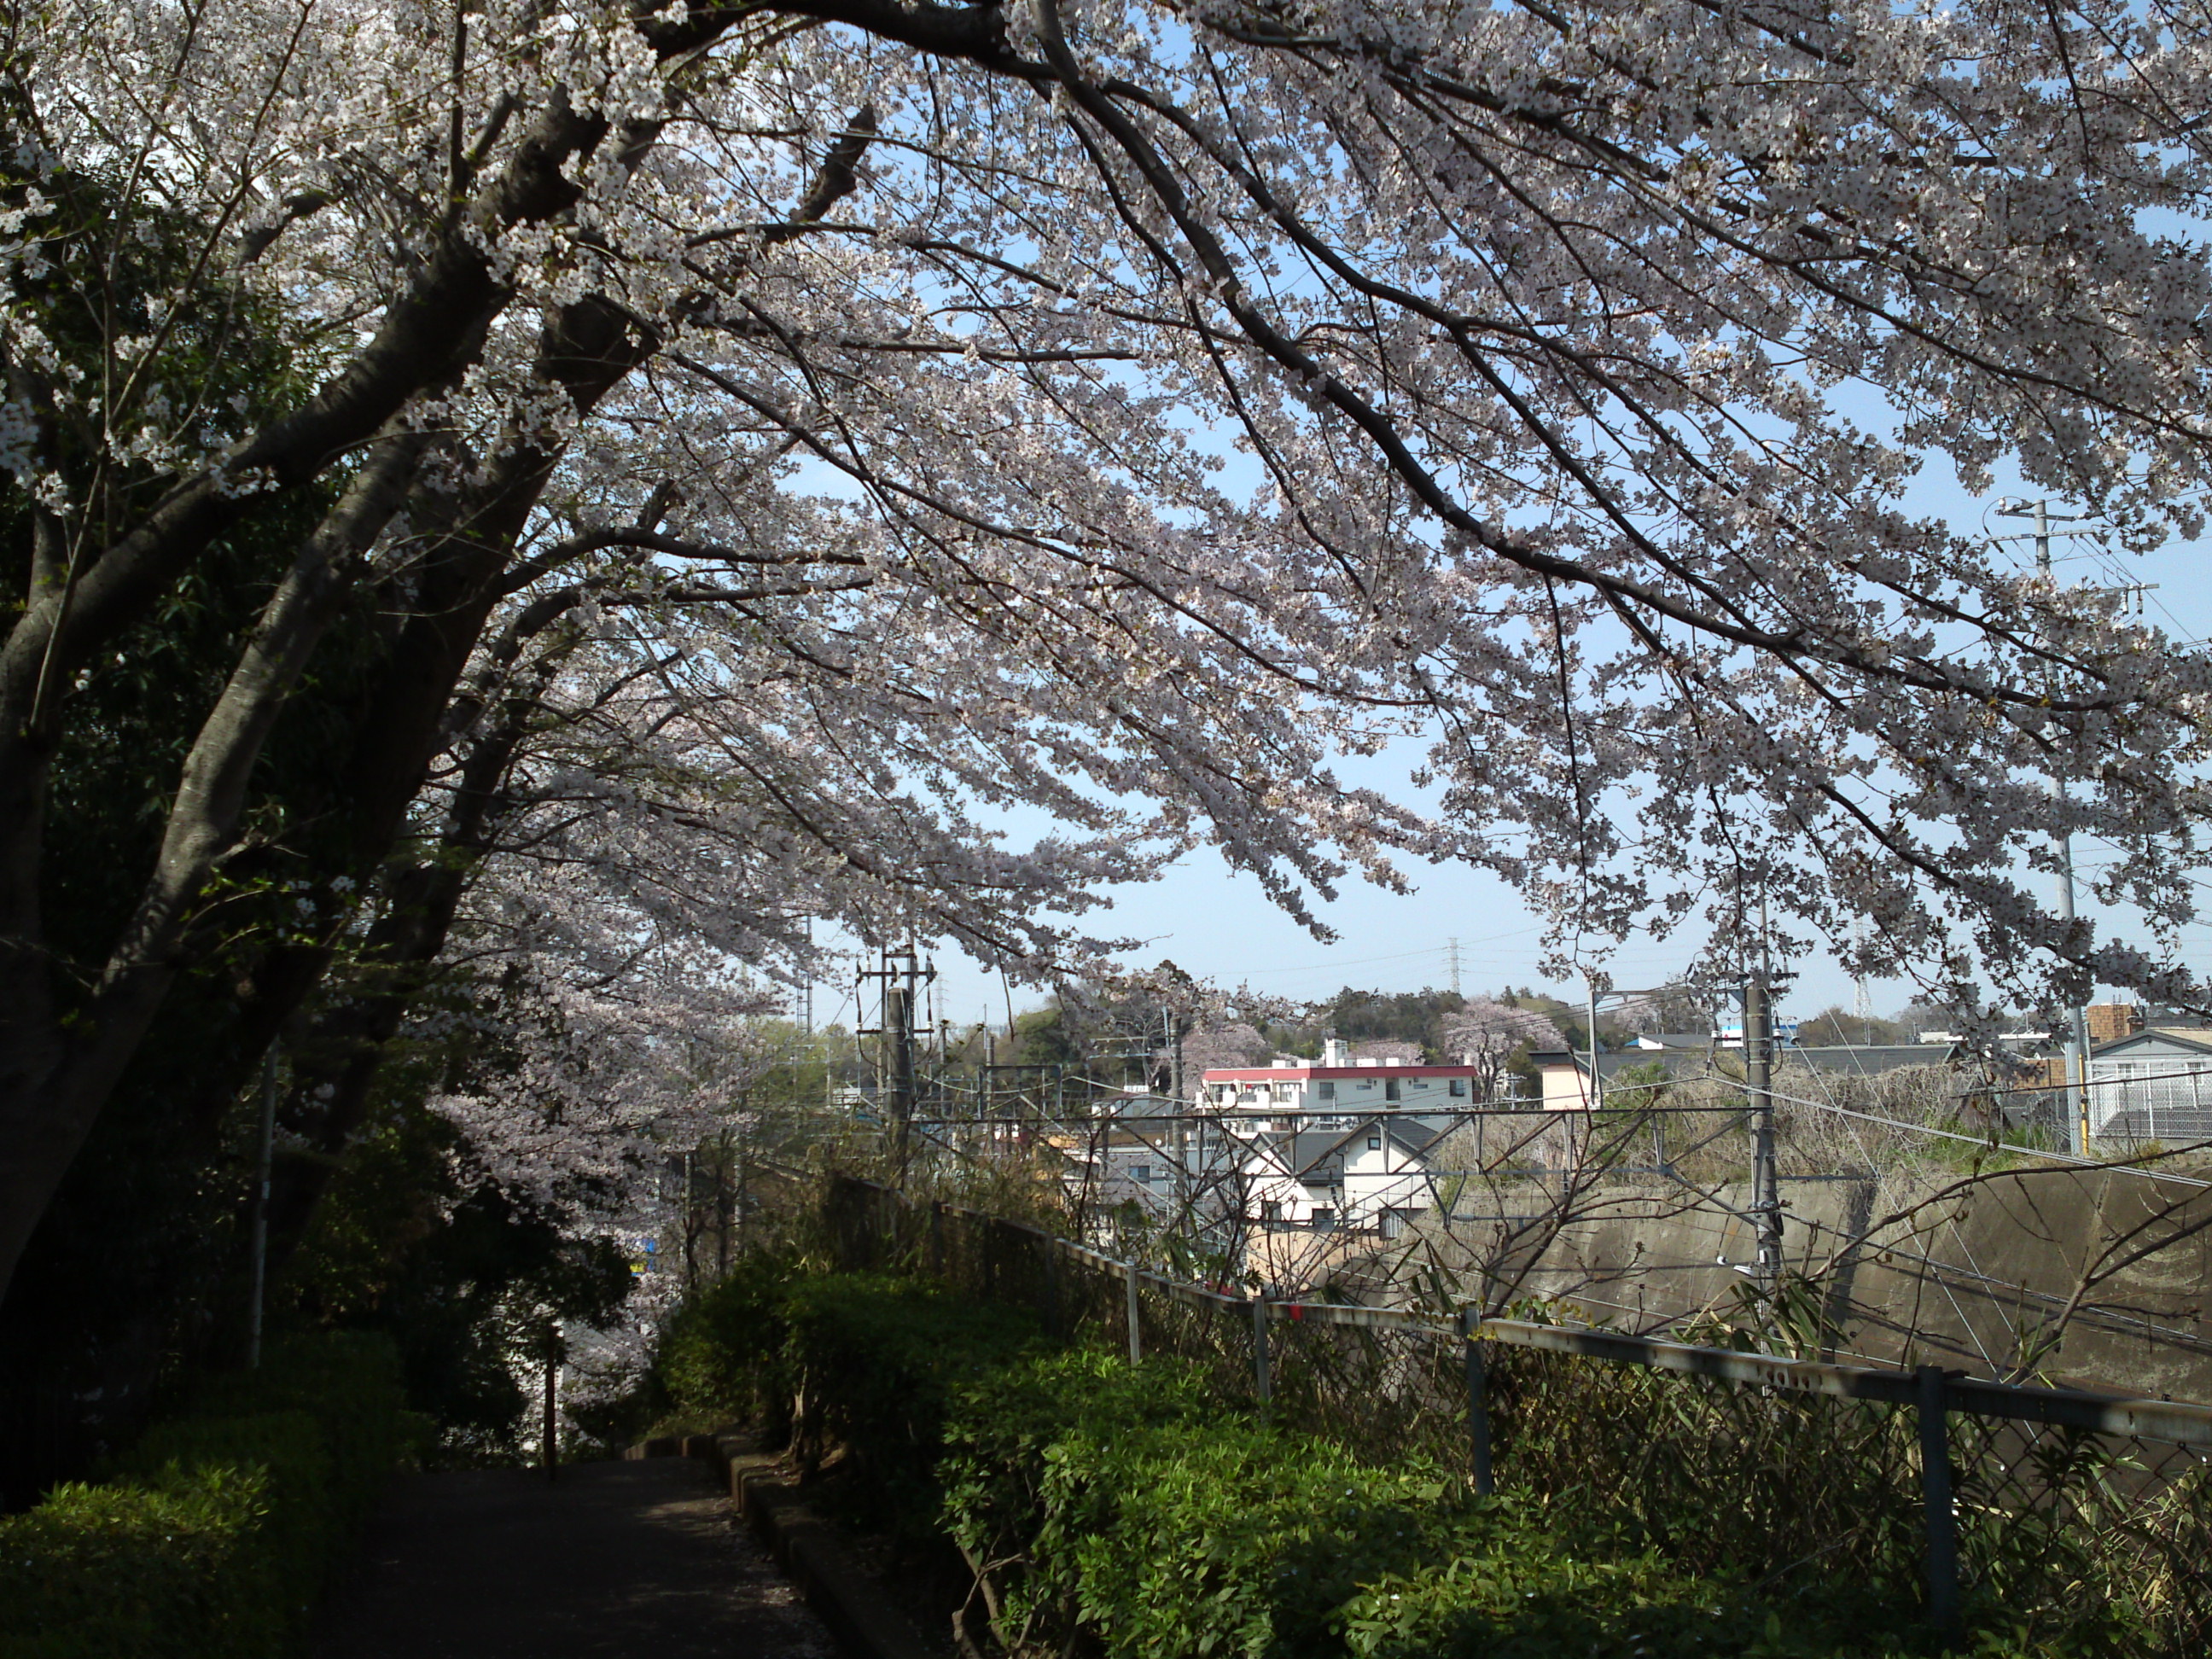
(1262, 1378)
(1136, 1334)
(1478, 1401)
(1942, 1520)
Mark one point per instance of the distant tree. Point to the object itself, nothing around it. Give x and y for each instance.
(1391, 1051)
(1221, 1047)
(1836, 1025)
(1489, 1033)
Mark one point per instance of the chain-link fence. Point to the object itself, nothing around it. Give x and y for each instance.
(2056, 1505)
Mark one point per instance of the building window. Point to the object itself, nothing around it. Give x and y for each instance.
(1142, 1172)
(1327, 1090)
(1323, 1216)
(1270, 1209)
(1365, 1084)
(1390, 1089)
(1458, 1088)
(1375, 1143)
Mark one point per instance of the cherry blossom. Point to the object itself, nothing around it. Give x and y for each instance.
(858, 419)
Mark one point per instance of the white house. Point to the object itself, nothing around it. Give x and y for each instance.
(2154, 1086)
(1373, 1175)
(1294, 1097)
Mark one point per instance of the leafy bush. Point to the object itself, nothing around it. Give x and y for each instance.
(720, 1354)
(874, 1362)
(1103, 1506)
(999, 1439)
(1124, 1511)
(210, 1539)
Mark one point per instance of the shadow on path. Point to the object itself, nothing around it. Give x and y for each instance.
(644, 1560)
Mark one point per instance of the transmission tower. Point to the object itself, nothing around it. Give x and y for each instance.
(1861, 998)
(1451, 960)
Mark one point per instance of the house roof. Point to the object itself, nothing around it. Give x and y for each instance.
(1301, 1153)
(1302, 1073)
(2154, 1040)
(1677, 1062)
(1867, 1059)
(1863, 1059)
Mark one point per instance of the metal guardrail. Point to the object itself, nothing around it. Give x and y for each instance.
(2178, 1422)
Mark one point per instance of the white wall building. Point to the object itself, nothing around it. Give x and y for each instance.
(1294, 1096)
(2154, 1086)
(1373, 1177)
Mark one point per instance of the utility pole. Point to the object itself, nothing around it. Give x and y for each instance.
(900, 972)
(2077, 1046)
(1597, 1083)
(263, 1159)
(898, 1027)
(1758, 1083)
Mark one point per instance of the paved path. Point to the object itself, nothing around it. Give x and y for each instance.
(612, 1561)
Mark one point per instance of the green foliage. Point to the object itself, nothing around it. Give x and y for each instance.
(874, 1361)
(413, 1241)
(1129, 1510)
(720, 1357)
(1095, 1499)
(210, 1539)
(117, 1573)
(1498, 1586)
(1224, 1537)
(1002, 1437)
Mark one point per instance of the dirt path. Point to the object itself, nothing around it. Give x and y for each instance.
(641, 1560)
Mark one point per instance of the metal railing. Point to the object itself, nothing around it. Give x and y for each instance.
(1865, 1456)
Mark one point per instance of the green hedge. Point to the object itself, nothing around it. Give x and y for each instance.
(860, 1364)
(874, 1362)
(1125, 1511)
(718, 1358)
(212, 1537)
(1120, 1509)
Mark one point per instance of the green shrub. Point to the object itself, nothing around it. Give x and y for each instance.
(875, 1361)
(1223, 1537)
(1126, 1511)
(210, 1538)
(115, 1573)
(999, 1437)
(720, 1355)
(348, 1381)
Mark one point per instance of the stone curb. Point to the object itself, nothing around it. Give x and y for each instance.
(805, 1545)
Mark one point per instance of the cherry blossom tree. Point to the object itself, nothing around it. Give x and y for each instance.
(1487, 1033)
(906, 410)
(1222, 1047)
